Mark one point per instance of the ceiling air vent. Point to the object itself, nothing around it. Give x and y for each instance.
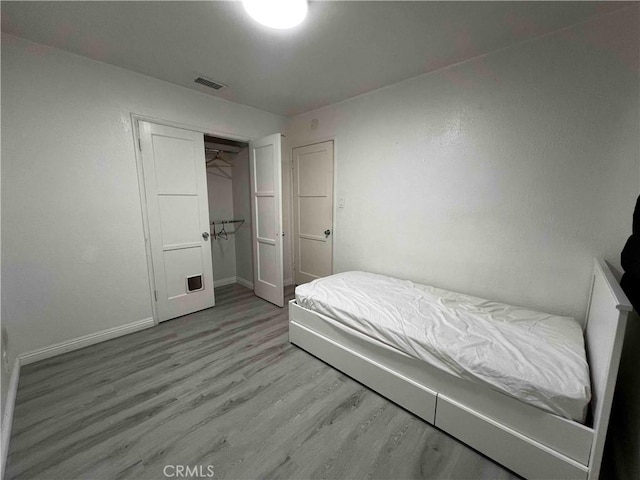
(209, 83)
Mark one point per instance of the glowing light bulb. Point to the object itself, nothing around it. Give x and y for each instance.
(279, 14)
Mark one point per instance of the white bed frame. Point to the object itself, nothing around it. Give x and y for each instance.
(523, 438)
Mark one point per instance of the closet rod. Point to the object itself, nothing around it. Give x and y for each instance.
(220, 222)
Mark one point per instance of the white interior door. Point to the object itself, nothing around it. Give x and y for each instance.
(313, 211)
(266, 214)
(178, 212)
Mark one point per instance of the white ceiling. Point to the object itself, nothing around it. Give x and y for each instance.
(341, 50)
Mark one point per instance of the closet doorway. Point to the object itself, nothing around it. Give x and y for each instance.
(244, 182)
(227, 166)
(212, 215)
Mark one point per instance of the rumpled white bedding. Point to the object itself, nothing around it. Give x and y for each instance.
(535, 357)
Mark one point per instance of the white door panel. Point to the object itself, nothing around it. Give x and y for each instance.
(177, 207)
(313, 211)
(179, 219)
(266, 215)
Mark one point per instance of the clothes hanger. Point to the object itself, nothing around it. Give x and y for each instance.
(223, 231)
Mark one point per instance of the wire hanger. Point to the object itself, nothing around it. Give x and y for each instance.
(223, 233)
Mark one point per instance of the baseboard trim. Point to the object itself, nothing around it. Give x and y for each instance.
(7, 418)
(84, 341)
(288, 281)
(244, 283)
(224, 281)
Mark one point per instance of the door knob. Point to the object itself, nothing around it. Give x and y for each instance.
(205, 235)
(327, 232)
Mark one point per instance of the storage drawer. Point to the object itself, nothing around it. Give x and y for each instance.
(508, 447)
(405, 392)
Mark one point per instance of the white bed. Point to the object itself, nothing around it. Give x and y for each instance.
(525, 415)
(532, 356)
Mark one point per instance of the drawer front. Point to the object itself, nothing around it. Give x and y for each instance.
(406, 393)
(507, 447)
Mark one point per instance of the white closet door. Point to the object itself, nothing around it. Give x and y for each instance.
(266, 215)
(178, 211)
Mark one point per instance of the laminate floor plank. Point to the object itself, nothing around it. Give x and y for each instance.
(224, 388)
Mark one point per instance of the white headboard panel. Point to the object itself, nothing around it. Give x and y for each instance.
(605, 326)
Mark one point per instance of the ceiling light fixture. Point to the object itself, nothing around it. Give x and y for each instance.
(279, 14)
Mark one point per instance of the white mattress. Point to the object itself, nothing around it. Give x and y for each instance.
(535, 357)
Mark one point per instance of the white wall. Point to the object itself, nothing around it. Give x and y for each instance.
(73, 257)
(220, 193)
(501, 177)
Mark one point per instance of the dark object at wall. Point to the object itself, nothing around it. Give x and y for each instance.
(631, 286)
(636, 219)
(630, 260)
(630, 257)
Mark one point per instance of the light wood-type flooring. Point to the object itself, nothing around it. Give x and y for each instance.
(224, 393)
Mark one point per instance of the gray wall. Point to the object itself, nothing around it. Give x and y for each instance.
(223, 252)
(242, 209)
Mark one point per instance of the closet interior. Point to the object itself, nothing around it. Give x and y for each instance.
(227, 164)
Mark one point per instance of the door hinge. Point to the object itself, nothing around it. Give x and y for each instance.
(155, 293)
(140, 143)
